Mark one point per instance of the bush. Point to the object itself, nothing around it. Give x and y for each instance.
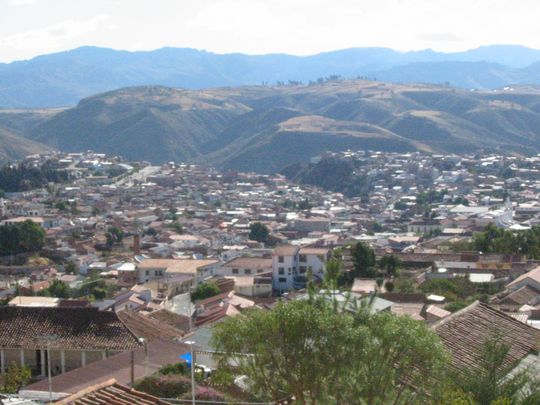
(205, 290)
(174, 369)
(164, 386)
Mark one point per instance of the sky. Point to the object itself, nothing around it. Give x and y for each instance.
(33, 27)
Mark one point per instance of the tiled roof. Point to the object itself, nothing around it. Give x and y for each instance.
(180, 322)
(72, 328)
(148, 328)
(250, 263)
(111, 393)
(465, 332)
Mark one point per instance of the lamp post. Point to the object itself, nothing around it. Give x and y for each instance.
(145, 343)
(192, 366)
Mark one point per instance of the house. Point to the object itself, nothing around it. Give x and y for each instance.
(290, 265)
(76, 337)
(464, 333)
(159, 353)
(150, 269)
(255, 286)
(530, 279)
(246, 266)
(424, 226)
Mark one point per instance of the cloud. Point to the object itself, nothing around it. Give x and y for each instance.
(22, 2)
(53, 37)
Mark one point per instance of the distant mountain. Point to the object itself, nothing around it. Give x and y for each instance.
(62, 79)
(265, 129)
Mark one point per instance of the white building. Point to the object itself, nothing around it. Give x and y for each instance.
(290, 265)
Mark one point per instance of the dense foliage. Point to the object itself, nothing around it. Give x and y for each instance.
(363, 259)
(311, 350)
(22, 177)
(497, 240)
(259, 232)
(21, 237)
(205, 290)
(15, 378)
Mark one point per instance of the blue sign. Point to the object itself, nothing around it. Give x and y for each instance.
(186, 357)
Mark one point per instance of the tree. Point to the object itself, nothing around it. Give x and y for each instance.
(259, 232)
(22, 237)
(363, 260)
(308, 349)
(390, 264)
(15, 378)
(58, 289)
(71, 268)
(205, 290)
(177, 226)
(114, 236)
(291, 350)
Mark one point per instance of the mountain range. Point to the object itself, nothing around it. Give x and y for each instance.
(62, 79)
(267, 128)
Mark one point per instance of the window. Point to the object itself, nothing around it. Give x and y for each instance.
(259, 271)
(282, 280)
(302, 258)
(281, 271)
(147, 272)
(280, 259)
(234, 271)
(303, 269)
(247, 271)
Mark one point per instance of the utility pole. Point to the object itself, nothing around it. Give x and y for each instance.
(192, 366)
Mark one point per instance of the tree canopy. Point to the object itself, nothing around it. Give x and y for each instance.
(21, 237)
(308, 349)
(259, 232)
(363, 260)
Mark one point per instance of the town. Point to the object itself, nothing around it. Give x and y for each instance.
(121, 266)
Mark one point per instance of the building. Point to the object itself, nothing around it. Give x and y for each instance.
(246, 266)
(75, 336)
(290, 265)
(150, 269)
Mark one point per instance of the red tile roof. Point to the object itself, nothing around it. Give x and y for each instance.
(465, 332)
(111, 393)
(73, 329)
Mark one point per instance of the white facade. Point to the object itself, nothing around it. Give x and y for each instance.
(291, 264)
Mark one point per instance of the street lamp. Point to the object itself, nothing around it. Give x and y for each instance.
(192, 366)
(144, 342)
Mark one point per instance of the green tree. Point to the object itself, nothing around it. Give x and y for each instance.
(71, 268)
(177, 226)
(390, 264)
(114, 236)
(58, 289)
(205, 290)
(15, 378)
(259, 232)
(308, 349)
(363, 260)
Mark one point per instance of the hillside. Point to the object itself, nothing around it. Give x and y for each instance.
(266, 129)
(14, 147)
(62, 79)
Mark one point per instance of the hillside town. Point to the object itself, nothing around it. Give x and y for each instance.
(130, 265)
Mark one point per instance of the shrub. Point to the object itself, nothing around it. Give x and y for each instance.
(164, 386)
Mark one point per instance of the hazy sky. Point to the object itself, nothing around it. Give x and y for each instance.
(33, 27)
